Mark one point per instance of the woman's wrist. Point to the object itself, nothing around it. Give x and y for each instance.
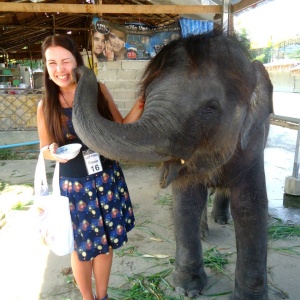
(49, 147)
(52, 146)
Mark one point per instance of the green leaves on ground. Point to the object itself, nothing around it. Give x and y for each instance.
(156, 286)
(279, 230)
(148, 287)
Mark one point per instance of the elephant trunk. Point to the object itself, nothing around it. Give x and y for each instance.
(144, 140)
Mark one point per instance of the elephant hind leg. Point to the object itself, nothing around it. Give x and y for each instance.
(220, 210)
(189, 285)
(204, 225)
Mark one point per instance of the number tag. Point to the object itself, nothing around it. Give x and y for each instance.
(92, 162)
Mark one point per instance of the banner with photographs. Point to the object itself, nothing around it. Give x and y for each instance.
(129, 41)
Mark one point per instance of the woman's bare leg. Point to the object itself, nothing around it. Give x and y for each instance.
(101, 268)
(82, 271)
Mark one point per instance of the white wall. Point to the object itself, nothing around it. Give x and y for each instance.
(122, 79)
(284, 81)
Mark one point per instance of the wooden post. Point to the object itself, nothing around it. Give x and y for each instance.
(53, 23)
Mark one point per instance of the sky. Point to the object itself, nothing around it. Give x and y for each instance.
(275, 21)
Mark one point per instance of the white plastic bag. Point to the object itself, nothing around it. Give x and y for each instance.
(52, 212)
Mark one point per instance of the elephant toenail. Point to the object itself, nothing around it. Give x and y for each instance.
(194, 294)
(180, 291)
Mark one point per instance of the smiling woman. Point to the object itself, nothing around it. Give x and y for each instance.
(95, 186)
(117, 38)
(60, 63)
(98, 45)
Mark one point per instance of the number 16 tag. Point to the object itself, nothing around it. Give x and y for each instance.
(92, 162)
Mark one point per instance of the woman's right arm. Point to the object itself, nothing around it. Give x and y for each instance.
(134, 114)
(47, 144)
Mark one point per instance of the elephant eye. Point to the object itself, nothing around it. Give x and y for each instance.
(210, 107)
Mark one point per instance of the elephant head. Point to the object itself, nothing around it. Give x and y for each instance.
(204, 100)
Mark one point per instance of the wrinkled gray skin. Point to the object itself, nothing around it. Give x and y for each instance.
(206, 118)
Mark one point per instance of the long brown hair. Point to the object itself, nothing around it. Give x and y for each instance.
(51, 105)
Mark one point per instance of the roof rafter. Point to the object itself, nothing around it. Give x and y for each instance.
(24, 24)
(111, 8)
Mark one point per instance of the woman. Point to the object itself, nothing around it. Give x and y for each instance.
(102, 50)
(98, 45)
(117, 38)
(100, 205)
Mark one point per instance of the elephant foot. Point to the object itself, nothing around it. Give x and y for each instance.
(221, 219)
(220, 211)
(247, 294)
(189, 285)
(204, 231)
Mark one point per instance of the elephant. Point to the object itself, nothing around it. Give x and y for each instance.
(206, 119)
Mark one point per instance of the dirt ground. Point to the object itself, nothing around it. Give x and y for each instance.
(29, 271)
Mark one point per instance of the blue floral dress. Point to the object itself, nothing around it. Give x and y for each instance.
(100, 204)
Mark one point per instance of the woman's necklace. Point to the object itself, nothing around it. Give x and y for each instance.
(65, 99)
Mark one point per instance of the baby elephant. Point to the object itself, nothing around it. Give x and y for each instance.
(206, 117)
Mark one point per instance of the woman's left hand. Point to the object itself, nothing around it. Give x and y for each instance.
(53, 148)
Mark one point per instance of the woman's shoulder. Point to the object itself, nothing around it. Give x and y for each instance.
(102, 86)
(105, 91)
(40, 105)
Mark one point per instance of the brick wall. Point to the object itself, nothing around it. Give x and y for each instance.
(122, 79)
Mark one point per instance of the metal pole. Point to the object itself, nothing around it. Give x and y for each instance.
(225, 20)
(19, 145)
(296, 159)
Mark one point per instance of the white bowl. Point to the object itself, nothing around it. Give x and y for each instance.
(68, 151)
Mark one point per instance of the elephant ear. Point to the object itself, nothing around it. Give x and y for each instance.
(260, 106)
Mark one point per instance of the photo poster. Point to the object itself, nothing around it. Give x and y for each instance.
(129, 41)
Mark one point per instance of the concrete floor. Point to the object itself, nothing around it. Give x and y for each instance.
(28, 271)
(280, 158)
(279, 162)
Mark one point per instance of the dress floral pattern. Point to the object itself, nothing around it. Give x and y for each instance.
(100, 207)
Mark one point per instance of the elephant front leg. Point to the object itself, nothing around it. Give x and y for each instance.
(249, 209)
(189, 277)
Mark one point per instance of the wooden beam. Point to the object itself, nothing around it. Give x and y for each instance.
(7, 27)
(109, 8)
(244, 4)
